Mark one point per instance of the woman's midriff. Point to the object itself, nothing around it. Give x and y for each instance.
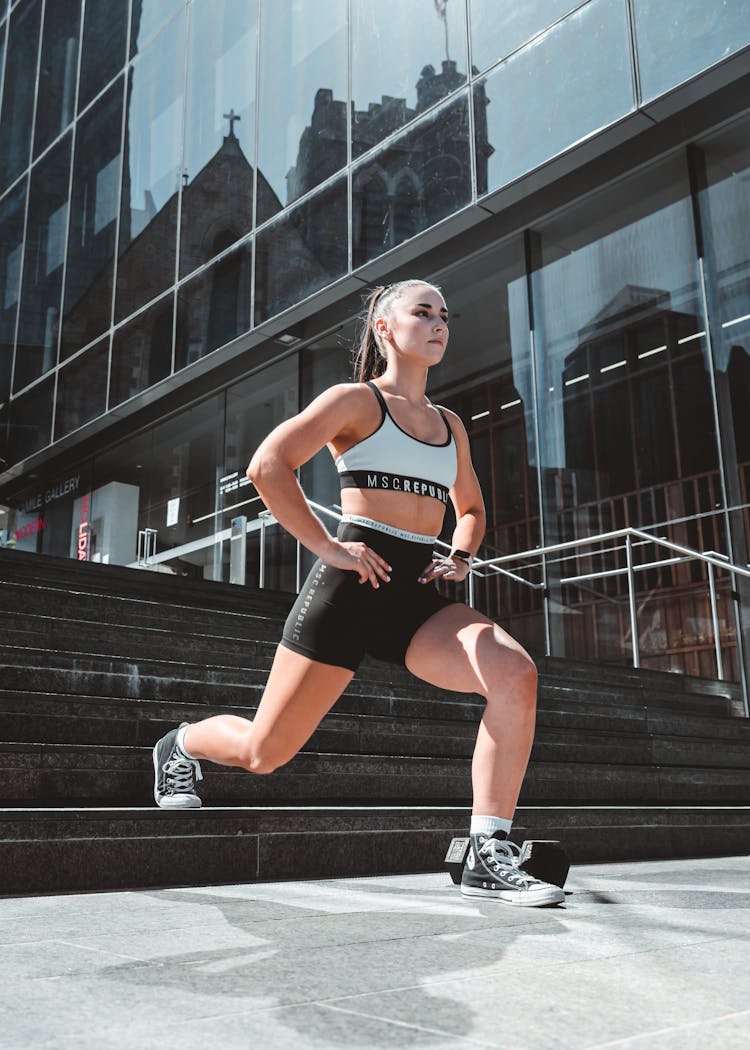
(421, 514)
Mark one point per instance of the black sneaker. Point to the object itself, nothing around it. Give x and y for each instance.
(175, 775)
(492, 873)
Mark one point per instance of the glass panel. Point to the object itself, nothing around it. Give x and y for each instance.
(38, 325)
(254, 407)
(30, 421)
(118, 499)
(626, 415)
(11, 251)
(572, 81)
(105, 28)
(677, 41)
(184, 487)
(416, 181)
(301, 252)
(148, 217)
(219, 129)
(57, 71)
(725, 215)
(323, 364)
(497, 30)
(214, 308)
(39, 517)
(303, 92)
(82, 389)
(147, 17)
(18, 91)
(491, 389)
(142, 352)
(93, 221)
(428, 63)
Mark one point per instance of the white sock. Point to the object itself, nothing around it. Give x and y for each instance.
(181, 742)
(489, 825)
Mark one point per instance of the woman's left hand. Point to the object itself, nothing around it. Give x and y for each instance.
(445, 568)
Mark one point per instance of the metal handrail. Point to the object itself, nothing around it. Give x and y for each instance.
(713, 560)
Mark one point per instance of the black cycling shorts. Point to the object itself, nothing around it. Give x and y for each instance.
(337, 620)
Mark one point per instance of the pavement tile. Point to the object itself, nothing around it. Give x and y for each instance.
(639, 952)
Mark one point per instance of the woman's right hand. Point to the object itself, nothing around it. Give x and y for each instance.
(359, 558)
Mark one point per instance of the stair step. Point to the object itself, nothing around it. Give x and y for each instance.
(106, 774)
(62, 850)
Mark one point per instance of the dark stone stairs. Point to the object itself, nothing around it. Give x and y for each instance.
(97, 662)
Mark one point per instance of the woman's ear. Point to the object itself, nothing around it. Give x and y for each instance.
(381, 327)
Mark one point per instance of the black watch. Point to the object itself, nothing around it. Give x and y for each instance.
(462, 555)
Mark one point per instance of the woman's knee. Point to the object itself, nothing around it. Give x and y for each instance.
(517, 678)
(265, 756)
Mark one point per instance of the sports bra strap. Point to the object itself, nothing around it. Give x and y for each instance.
(379, 396)
(385, 411)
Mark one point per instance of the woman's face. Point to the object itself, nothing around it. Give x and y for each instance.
(417, 324)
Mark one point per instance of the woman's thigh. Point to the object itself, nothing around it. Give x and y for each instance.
(461, 649)
(298, 694)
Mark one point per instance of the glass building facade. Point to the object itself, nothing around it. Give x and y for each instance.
(194, 195)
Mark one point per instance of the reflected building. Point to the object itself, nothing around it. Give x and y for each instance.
(194, 195)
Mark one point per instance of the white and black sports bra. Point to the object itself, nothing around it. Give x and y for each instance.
(394, 461)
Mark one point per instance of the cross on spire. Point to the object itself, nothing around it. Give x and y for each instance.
(231, 116)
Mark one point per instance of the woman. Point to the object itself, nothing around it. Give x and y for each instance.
(372, 590)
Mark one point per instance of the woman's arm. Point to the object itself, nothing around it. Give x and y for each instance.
(471, 520)
(292, 443)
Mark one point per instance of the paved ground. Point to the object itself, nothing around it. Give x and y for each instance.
(648, 956)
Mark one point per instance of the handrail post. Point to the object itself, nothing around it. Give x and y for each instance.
(715, 619)
(631, 602)
(263, 516)
(470, 588)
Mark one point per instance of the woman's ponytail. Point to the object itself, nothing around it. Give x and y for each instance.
(369, 361)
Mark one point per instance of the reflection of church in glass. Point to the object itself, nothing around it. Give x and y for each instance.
(420, 177)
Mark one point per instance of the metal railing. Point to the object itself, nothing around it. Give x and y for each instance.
(540, 557)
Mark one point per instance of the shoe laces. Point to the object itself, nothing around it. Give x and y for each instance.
(181, 774)
(504, 855)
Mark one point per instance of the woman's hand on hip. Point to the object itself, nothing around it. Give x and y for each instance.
(359, 558)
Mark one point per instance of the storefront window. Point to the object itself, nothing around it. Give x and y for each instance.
(625, 414)
(723, 163)
(254, 407)
(486, 378)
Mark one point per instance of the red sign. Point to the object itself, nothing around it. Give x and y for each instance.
(84, 534)
(29, 529)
